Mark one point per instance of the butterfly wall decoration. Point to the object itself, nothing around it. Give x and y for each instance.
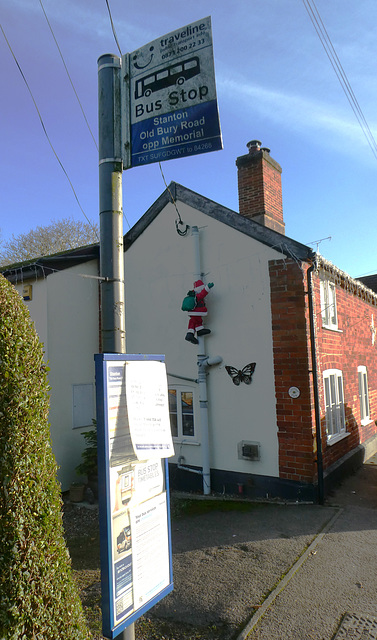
(241, 375)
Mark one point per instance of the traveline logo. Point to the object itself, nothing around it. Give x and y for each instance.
(182, 35)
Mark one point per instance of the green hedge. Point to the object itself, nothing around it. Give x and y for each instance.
(38, 597)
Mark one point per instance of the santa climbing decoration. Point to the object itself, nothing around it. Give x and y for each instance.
(194, 305)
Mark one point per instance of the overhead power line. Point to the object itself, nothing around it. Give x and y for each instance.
(179, 222)
(43, 125)
(68, 74)
(113, 27)
(329, 48)
(71, 81)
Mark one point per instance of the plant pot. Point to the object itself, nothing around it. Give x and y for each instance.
(76, 492)
(93, 485)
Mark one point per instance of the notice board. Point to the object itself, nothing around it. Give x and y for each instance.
(134, 442)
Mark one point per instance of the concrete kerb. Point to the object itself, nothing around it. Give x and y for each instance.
(287, 577)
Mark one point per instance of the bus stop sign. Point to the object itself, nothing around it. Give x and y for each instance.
(170, 105)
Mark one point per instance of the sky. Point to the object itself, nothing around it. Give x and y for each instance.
(274, 82)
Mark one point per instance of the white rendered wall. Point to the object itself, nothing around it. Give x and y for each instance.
(159, 270)
(73, 341)
(64, 309)
(37, 308)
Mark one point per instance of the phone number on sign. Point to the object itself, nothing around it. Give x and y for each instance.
(186, 47)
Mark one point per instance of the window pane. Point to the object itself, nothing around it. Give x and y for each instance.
(188, 425)
(340, 389)
(366, 396)
(363, 393)
(332, 391)
(172, 401)
(174, 425)
(173, 412)
(187, 413)
(187, 401)
(323, 302)
(340, 406)
(331, 407)
(327, 405)
(332, 303)
(339, 418)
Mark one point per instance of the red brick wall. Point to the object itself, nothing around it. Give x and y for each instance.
(292, 364)
(346, 349)
(250, 189)
(272, 190)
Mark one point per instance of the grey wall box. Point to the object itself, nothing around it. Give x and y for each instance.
(248, 450)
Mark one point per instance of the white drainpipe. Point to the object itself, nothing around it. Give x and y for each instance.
(203, 362)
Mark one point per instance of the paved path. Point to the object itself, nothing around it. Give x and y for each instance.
(333, 592)
(282, 572)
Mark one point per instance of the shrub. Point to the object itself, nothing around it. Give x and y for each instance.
(38, 597)
(89, 465)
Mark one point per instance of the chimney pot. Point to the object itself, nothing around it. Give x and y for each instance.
(254, 146)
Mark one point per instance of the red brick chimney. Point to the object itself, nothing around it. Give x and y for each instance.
(259, 187)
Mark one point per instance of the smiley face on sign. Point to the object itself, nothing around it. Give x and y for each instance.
(144, 65)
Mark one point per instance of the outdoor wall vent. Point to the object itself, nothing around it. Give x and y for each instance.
(248, 450)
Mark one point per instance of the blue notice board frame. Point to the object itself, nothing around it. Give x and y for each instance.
(118, 586)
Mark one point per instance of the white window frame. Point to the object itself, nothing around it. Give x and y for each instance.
(362, 375)
(333, 395)
(328, 304)
(180, 436)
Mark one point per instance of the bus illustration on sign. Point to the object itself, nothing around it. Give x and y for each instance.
(175, 74)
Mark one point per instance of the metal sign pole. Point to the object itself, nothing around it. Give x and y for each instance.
(128, 634)
(110, 202)
(113, 331)
(160, 106)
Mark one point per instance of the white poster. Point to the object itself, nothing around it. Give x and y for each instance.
(150, 549)
(149, 479)
(148, 409)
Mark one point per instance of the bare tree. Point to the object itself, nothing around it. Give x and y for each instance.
(59, 235)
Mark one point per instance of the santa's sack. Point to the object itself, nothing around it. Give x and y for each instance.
(189, 302)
